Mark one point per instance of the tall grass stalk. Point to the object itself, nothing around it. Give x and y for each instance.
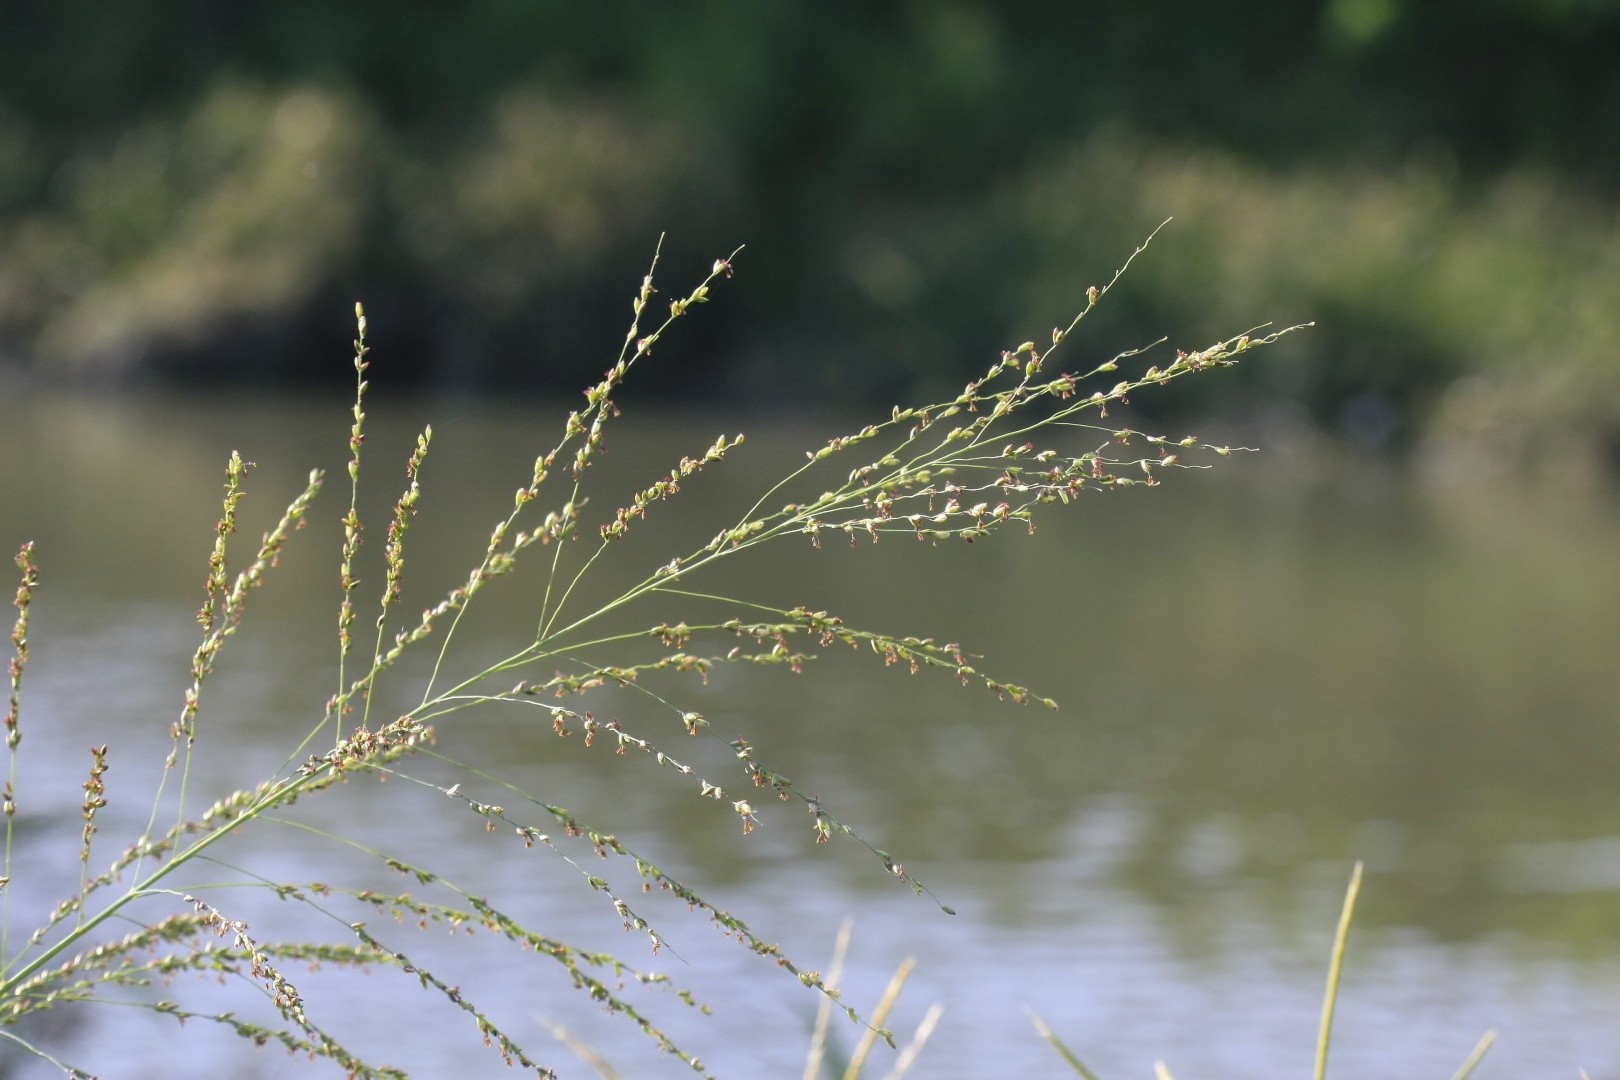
(1335, 966)
(1341, 938)
(891, 994)
(1023, 437)
(835, 973)
(1477, 1055)
(1069, 1057)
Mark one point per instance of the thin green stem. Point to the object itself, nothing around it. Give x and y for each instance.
(604, 408)
(72, 1072)
(624, 348)
(143, 887)
(597, 407)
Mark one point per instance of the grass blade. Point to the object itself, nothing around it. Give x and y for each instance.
(582, 1050)
(818, 1037)
(1063, 1052)
(1334, 967)
(879, 1015)
(1476, 1057)
(908, 1056)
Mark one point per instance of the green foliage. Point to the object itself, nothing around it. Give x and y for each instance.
(1433, 183)
(885, 79)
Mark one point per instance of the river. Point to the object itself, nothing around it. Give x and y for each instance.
(1266, 672)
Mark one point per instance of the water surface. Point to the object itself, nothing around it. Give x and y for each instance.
(1266, 673)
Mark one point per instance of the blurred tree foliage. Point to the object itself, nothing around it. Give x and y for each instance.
(197, 188)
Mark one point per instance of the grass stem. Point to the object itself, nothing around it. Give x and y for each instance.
(1335, 965)
(1466, 1070)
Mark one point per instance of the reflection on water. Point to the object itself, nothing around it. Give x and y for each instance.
(1266, 673)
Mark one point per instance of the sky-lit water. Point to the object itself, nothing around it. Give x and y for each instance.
(1266, 673)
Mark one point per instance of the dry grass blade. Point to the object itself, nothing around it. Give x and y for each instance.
(908, 1056)
(818, 1037)
(1478, 1055)
(1063, 1051)
(1161, 1072)
(1334, 967)
(582, 1050)
(885, 1005)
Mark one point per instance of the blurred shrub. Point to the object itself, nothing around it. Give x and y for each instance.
(1434, 186)
(539, 197)
(167, 232)
(1414, 278)
(152, 242)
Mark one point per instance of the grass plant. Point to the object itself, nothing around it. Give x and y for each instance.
(1023, 438)
(1330, 1003)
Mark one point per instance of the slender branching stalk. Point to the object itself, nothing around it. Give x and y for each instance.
(1022, 437)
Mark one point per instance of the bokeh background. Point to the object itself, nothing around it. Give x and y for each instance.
(194, 191)
(1390, 635)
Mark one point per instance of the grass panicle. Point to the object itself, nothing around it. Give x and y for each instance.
(18, 662)
(1024, 437)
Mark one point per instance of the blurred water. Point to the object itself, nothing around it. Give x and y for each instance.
(1266, 673)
